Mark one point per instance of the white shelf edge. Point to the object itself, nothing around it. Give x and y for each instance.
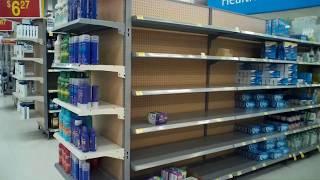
(105, 148)
(103, 109)
(54, 111)
(40, 79)
(35, 40)
(36, 60)
(28, 98)
(81, 67)
(53, 91)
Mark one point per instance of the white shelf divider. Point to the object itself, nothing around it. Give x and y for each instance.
(37, 60)
(40, 79)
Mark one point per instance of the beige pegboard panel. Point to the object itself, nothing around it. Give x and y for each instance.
(223, 73)
(165, 42)
(230, 20)
(170, 104)
(164, 137)
(221, 100)
(235, 48)
(170, 10)
(168, 73)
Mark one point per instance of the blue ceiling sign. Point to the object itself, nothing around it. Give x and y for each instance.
(261, 6)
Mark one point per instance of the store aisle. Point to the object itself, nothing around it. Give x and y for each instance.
(25, 153)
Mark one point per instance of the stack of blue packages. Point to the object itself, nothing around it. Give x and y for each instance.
(275, 153)
(277, 101)
(270, 50)
(288, 51)
(267, 128)
(245, 101)
(278, 27)
(254, 154)
(306, 78)
(292, 73)
(267, 145)
(252, 129)
(261, 101)
(280, 127)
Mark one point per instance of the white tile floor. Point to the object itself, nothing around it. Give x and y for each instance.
(27, 154)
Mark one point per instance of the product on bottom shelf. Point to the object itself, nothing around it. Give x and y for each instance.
(173, 174)
(77, 130)
(270, 149)
(77, 169)
(157, 118)
(302, 140)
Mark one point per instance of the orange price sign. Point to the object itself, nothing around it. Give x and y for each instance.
(21, 8)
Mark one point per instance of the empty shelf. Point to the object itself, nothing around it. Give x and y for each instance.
(182, 120)
(83, 25)
(38, 98)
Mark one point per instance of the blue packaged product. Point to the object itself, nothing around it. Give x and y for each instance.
(275, 154)
(75, 49)
(262, 104)
(92, 140)
(70, 10)
(81, 162)
(275, 97)
(251, 129)
(83, 9)
(85, 171)
(67, 126)
(284, 150)
(75, 167)
(84, 41)
(251, 147)
(94, 49)
(269, 27)
(95, 96)
(266, 145)
(278, 104)
(261, 156)
(259, 97)
(245, 97)
(75, 5)
(281, 127)
(270, 50)
(281, 144)
(84, 139)
(71, 50)
(267, 128)
(93, 9)
(247, 104)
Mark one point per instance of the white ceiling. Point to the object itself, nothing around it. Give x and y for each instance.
(314, 11)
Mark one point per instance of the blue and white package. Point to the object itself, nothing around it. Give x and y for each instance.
(86, 171)
(94, 50)
(71, 50)
(280, 27)
(281, 127)
(275, 97)
(278, 104)
(281, 143)
(270, 50)
(266, 145)
(83, 9)
(76, 49)
(75, 167)
(271, 74)
(269, 27)
(247, 104)
(284, 150)
(251, 129)
(259, 97)
(84, 41)
(95, 96)
(262, 104)
(267, 128)
(92, 9)
(275, 154)
(245, 97)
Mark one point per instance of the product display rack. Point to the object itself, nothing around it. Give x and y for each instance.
(159, 60)
(38, 59)
(110, 119)
(178, 69)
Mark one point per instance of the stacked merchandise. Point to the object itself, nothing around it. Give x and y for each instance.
(304, 97)
(267, 126)
(69, 10)
(305, 28)
(304, 78)
(296, 142)
(78, 169)
(27, 31)
(267, 74)
(83, 49)
(173, 174)
(295, 119)
(75, 88)
(283, 51)
(260, 101)
(26, 88)
(77, 130)
(313, 56)
(278, 27)
(269, 149)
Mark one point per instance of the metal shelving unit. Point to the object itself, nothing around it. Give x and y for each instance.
(154, 156)
(234, 166)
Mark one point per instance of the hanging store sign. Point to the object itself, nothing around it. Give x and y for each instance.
(21, 8)
(261, 6)
(5, 25)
